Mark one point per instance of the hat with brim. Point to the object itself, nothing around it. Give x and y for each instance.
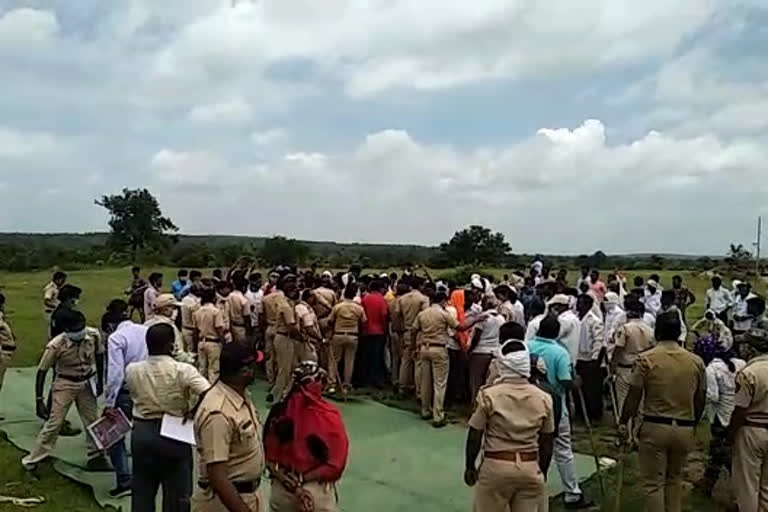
(235, 356)
(612, 298)
(166, 300)
(561, 299)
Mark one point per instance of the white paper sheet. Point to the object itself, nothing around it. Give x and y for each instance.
(174, 427)
(93, 383)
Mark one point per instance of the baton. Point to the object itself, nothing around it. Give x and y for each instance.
(592, 442)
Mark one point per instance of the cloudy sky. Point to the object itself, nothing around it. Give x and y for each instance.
(621, 125)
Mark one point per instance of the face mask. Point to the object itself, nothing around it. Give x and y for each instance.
(174, 315)
(76, 336)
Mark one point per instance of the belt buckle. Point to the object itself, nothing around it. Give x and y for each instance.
(674, 423)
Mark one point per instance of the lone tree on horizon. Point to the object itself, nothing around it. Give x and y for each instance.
(136, 221)
(476, 245)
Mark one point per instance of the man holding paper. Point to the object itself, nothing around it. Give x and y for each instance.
(161, 389)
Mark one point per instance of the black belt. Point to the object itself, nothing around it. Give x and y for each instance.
(212, 340)
(236, 325)
(8, 348)
(441, 345)
(241, 487)
(748, 423)
(669, 421)
(354, 334)
(187, 327)
(283, 333)
(627, 366)
(72, 378)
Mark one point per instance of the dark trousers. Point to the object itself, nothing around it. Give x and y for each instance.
(592, 386)
(478, 373)
(159, 461)
(118, 454)
(458, 378)
(370, 369)
(719, 456)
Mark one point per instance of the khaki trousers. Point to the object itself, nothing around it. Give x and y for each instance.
(208, 502)
(269, 354)
(209, 353)
(622, 390)
(65, 393)
(407, 370)
(5, 362)
(288, 352)
(396, 355)
(663, 450)
(188, 338)
(749, 472)
(434, 380)
(506, 486)
(324, 496)
(346, 347)
(239, 334)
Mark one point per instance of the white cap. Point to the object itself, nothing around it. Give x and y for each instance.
(561, 299)
(652, 283)
(327, 273)
(611, 298)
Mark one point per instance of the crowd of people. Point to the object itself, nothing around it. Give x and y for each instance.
(528, 355)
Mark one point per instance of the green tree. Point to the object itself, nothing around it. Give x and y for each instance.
(476, 245)
(281, 250)
(136, 221)
(738, 258)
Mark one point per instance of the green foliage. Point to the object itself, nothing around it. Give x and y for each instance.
(136, 221)
(279, 249)
(739, 259)
(475, 245)
(461, 274)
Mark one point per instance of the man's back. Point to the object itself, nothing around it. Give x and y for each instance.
(411, 304)
(556, 359)
(634, 337)
(377, 313)
(670, 377)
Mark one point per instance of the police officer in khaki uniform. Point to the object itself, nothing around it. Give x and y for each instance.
(189, 304)
(210, 334)
(675, 387)
(347, 319)
(516, 420)
(432, 329)
(631, 339)
(749, 427)
(239, 310)
(270, 303)
(228, 435)
(73, 354)
(223, 291)
(323, 305)
(7, 344)
(409, 306)
(396, 329)
(51, 297)
(288, 346)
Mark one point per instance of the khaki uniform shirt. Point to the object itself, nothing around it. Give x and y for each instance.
(72, 359)
(178, 339)
(347, 316)
(670, 376)
(326, 299)
(411, 304)
(433, 324)
(270, 303)
(512, 413)
(207, 320)
(189, 305)
(227, 429)
(239, 308)
(634, 337)
(395, 315)
(50, 297)
(306, 318)
(752, 390)
(6, 335)
(161, 385)
(223, 304)
(286, 315)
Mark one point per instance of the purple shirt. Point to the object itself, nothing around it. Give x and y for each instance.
(128, 344)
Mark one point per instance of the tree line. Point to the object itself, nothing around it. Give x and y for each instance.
(140, 233)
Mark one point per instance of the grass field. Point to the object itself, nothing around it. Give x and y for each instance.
(24, 312)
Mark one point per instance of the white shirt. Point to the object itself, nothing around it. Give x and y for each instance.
(591, 337)
(128, 344)
(533, 327)
(587, 280)
(652, 302)
(649, 319)
(719, 300)
(721, 388)
(740, 309)
(255, 300)
(613, 319)
(570, 333)
(489, 336)
(683, 328)
(518, 313)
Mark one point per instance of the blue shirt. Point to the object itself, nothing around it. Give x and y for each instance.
(128, 344)
(177, 287)
(557, 359)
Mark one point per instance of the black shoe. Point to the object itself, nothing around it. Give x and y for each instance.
(120, 492)
(582, 503)
(426, 417)
(67, 430)
(439, 424)
(99, 464)
(270, 398)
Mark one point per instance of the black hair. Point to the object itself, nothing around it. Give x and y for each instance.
(549, 327)
(350, 291)
(536, 308)
(239, 282)
(2, 299)
(135, 269)
(587, 299)
(69, 291)
(639, 281)
(515, 346)
(679, 278)
(655, 277)
(117, 306)
(668, 326)
(306, 294)
(502, 290)
(511, 331)
(376, 285)
(155, 277)
(633, 305)
(160, 339)
(439, 297)
(207, 296)
(668, 297)
(506, 277)
(718, 279)
(72, 321)
(256, 276)
(222, 285)
(594, 271)
(217, 273)
(195, 274)
(182, 273)
(58, 276)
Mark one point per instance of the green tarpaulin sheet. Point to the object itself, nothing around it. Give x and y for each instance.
(397, 462)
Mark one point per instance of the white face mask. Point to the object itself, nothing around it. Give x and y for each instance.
(77, 336)
(174, 315)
